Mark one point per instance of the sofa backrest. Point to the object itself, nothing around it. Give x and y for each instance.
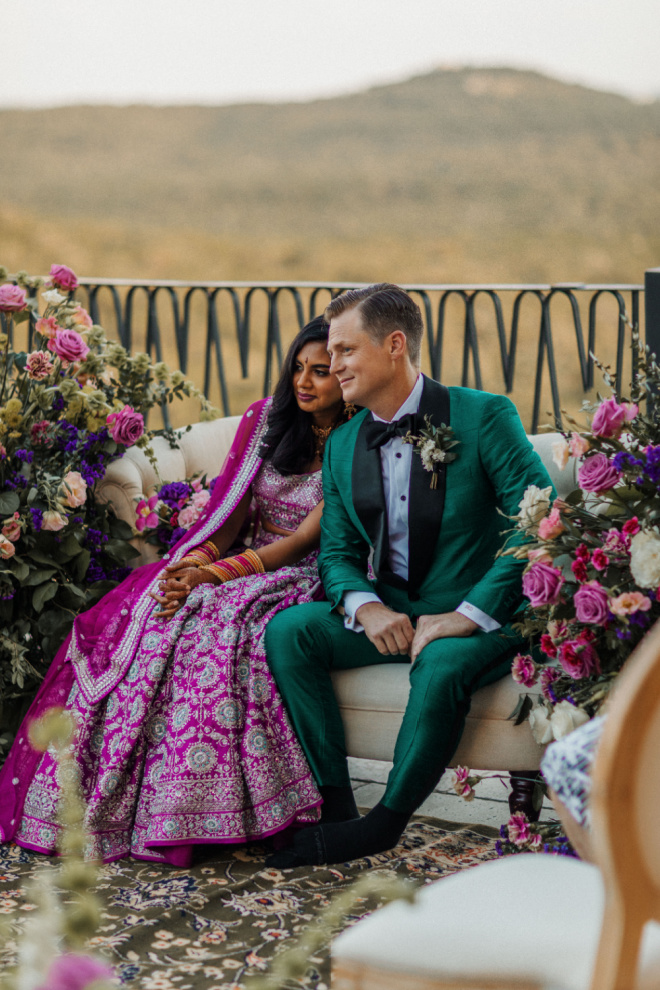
(202, 450)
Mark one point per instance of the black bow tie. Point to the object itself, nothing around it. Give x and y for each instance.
(379, 433)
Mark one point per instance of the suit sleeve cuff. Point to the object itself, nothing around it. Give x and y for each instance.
(483, 621)
(353, 600)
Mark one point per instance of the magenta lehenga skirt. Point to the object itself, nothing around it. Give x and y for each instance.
(193, 745)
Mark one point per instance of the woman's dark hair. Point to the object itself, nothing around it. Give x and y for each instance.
(289, 441)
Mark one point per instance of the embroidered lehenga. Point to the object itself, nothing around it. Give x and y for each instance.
(182, 737)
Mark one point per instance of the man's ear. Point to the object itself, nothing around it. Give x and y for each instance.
(398, 344)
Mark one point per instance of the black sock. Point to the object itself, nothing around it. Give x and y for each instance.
(338, 843)
(338, 804)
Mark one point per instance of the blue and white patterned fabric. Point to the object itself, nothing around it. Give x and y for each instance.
(567, 764)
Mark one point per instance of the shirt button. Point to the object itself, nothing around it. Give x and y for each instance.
(403, 498)
(399, 454)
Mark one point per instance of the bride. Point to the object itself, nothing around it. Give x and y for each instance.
(181, 735)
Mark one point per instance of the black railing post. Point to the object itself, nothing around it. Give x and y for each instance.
(652, 307)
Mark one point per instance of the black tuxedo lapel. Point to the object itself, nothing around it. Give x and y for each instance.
(426, 504)
(369, 496)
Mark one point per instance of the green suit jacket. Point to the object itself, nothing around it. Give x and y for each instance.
(455, 531)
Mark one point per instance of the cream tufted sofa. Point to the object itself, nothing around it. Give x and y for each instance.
(372, 699)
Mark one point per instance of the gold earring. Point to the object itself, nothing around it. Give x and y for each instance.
(350, 410)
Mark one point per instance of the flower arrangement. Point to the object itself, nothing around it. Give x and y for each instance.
(165, 516)
(71, 401)
(592, 574)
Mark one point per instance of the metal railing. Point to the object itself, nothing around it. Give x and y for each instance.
(506, 321)
(533, 342)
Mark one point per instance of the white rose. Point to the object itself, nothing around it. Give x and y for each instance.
(533, 507)
(566, 717)
(645, 558)
(560, 453)
(539, 723)
(427, 453)
(53, 297)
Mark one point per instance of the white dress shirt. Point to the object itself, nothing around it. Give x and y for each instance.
(396, 462)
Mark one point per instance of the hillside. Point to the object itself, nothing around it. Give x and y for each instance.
(472, 174)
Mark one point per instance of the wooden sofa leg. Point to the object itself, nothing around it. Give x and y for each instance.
(522, 792)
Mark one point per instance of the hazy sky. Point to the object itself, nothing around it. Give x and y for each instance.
(221, 51)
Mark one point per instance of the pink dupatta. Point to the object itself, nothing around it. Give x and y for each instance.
(104, 640)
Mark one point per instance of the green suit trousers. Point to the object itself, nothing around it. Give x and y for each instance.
(306, 642)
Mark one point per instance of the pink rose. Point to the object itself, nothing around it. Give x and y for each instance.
(518, 829)
(523, 670)
(7, 548)
(69, 346)
(631, 528)
(628, 603)
(200, 499)
(74, 489)
(578, 445)
(38, 365)
(81, 317)
(53, 521)
(63, 277)
(610, 417)
(551, 526)
(591, 603)
(579, 659)
(126, 426)
(12, 529)
(599, 559)
(12, 298)
(542, 584)
(548, 676)
(147, 517)
(598, 474)
(188, 516)
(47, 326)
(548, 646)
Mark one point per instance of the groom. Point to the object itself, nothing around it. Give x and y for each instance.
(440, 596)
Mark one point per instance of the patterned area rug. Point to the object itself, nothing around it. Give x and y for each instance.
(215, 925)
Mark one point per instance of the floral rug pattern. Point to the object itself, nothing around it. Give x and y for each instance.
(225, 918)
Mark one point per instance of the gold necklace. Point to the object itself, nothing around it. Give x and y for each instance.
(321, 434)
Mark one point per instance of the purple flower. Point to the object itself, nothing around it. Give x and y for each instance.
(598, 474)
(25, 456)
(75, 972)
(591, 603)
(37, 519)
(542, 584)
(58, 402)
(174, 493)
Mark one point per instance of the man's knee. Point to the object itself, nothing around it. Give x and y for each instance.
(290, 635)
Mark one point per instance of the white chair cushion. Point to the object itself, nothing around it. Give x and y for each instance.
(531, 916)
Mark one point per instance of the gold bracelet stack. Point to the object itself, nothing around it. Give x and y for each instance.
(207, 553)
(242, 565)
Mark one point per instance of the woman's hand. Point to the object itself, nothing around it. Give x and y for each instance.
(175, 588)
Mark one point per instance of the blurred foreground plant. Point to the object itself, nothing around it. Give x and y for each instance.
(51, 950)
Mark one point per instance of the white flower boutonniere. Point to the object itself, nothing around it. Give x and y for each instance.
(434, 446)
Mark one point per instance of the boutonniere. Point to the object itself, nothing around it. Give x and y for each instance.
(434, 446)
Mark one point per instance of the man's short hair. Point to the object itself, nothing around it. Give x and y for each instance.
(383, 308)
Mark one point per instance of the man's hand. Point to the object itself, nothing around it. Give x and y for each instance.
(430, 627)
(390, 632)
